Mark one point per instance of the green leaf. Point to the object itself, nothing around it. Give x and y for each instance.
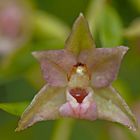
(49, 26)
(135, 4)
(110, 28)
(133, 31)
(14, 108)
(35, 73)
(94, 12)
(124, 89)
(17, 62)
(80, 38)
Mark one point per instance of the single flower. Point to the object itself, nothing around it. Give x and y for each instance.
(79, 81)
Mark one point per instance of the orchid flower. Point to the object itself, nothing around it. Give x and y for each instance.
(79, 79)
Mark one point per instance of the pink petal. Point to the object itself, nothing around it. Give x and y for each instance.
(111, 106)
(81, 111)
(44, 106)
(87, 57)
(53, 73)
(103, 64)
(62, 58)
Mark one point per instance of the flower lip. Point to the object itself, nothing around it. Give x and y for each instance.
(79, 94)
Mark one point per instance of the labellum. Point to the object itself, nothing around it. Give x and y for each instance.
(79, 94)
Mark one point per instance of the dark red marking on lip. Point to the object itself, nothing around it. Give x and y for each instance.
(79, 94)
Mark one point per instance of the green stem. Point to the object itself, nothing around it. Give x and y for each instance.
(63, 129)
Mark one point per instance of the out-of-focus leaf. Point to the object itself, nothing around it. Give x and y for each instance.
(14, 108)
(17, 62)
(133, 30)
(34, 76)
(130, 70)
(124, 89)
(110, 28)
(49, 26)
(136, 4)
(94, 12)
(119, 133)
(111, 106)
(43, 44)
(136, 109)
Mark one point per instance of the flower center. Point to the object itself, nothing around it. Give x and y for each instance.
(79, 94)
(79, 76)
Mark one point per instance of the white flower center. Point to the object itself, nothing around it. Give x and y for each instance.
(79, 76)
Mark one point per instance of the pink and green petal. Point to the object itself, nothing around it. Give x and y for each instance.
(105, 65)
(53, 74)
(111, 107)
(44, 106)
(80, 38)
(62, 58)
(86, 57)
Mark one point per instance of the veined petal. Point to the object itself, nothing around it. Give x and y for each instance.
(80, 38)
(111, 106)
(53, 74)
(45, 106)
(105, 65)
(62, 58)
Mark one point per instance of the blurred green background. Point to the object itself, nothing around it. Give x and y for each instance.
(45, 24)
